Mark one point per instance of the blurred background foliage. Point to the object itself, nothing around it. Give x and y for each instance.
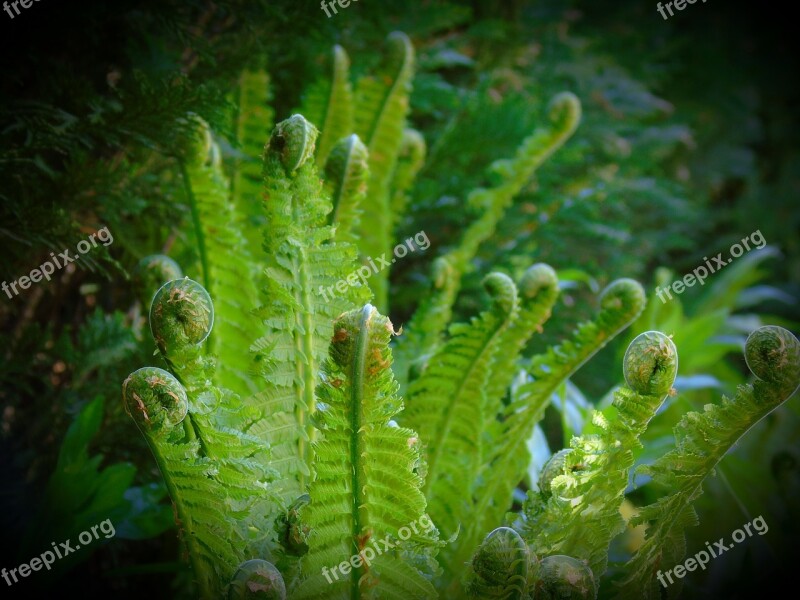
(688, 144)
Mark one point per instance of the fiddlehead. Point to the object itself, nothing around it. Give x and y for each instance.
(564, 578)
(181, 314)
(257, 579)
(293, 141)
(346, 174)
(502, 567)
(155, 400)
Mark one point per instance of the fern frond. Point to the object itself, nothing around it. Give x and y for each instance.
(303, 267)
(346, 175)
(382, 103)
(502, 567)
(217, 476)
(424, 332)
(329, 104)
(620, 304)
(227, 266)
(253, 122)
(365, 483)
(410, 159)
(447, 406)
(580, 516)
(701, 441)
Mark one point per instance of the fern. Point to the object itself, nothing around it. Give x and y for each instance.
(447, 405)
(505, 466)
(219, 240)
(410, 159)
(346, 175)
(702, 440)
(365, 483)
(329, 103)
(303, 267)
(217, 475)
(381, 109)
(589, 481)
(424, 332)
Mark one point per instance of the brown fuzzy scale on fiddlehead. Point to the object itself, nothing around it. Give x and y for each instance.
(772, 354)
(257, 579)
(151, 273)
(651, 364)
(181, 315)
(293, 141)
(155, 400)
(502, 567)
(564, 578)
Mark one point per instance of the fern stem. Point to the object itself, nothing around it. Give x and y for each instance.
(196, 223)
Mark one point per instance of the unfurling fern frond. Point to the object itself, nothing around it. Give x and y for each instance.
(303, 267)
(447, 406)
(424, 332)
(252, 126)
(506, 466)
(346, 174)
(329, 104)
(257, 579)
(366, 484)
(226, 263)
(151, 273)
(701, 441)
(578, 514)
(217, 476)
(410, 159)
(382, 103)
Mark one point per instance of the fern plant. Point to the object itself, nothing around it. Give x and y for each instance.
(292, 434)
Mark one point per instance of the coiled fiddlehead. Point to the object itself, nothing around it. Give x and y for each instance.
(650, 364)
(502, 567)
(346, 174)
(564, 578)
(552, 469)
(155, 400)
(181, 314)
(151, 273)
(294, 141)
(257, 579)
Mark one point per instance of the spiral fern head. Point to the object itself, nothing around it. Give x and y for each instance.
(349, 152)
(293, 533)
(565, 108)
(181, 314)
(442, 273)
(537, 278)
(293, 141)
(564, 578)
(151, 273)
(155, 400)
(552, 469)
(623, 294)
(651, 364)
(773, 354)
(502, 291)
(501, 566)
(196, 141)
(257, 579)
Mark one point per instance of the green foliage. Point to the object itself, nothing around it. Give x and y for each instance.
(702, 440)
(297, 322)
(365, 484)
